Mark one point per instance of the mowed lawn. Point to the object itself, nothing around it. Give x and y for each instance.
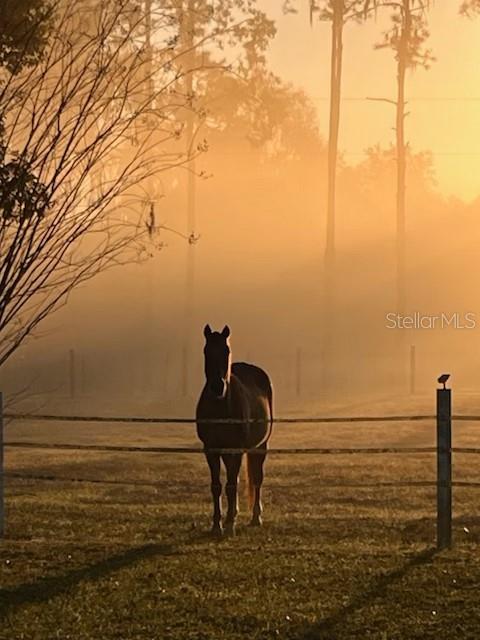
(104, 560)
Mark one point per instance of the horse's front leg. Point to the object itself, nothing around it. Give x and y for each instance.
(233, 462)
(213, 460)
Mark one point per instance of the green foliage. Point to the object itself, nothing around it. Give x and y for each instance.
(470, 7)
(22, 195)
(25, 26)
(375, 176)
(356, 10)
(235, 24)
(408, 33)
(263, 111)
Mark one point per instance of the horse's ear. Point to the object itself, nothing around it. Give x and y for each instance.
(207, 331)
(226, 331)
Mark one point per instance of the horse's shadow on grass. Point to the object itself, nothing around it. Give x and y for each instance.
(47, 588)
(327, 627)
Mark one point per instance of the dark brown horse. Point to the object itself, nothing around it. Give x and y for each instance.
(239, 392)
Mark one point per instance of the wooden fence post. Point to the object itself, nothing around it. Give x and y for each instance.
(444, 468)
(166, 371)
(71, 373)
(83, 377)
(298, 372)
(2, 471)
(413, 364)
(185, 370)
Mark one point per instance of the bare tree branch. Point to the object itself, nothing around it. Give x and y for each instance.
(80, 132)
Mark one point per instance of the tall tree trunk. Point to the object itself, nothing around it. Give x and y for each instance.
(334, 124)
(188, 26)
(149, 283)
(401, 293)
(148, 43)
(401, 159)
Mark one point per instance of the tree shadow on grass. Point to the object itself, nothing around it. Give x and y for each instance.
(47, 588)
(327, 627)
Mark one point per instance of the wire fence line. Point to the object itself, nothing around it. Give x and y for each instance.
(198, 450)
(323, 484)
(43, 417)
(158, 485)
(443, 450)
(220, 451)
(223, 451)
(176, 420)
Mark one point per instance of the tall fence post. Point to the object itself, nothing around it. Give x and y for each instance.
(412, 369)
(71, 373)
(83, 376)
(298, 372)
(166, 371)
(184, 370)
(2, 480)
(444, 466)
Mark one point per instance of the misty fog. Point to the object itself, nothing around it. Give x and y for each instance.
(260, 193)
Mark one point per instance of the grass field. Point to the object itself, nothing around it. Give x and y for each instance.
(104, 561)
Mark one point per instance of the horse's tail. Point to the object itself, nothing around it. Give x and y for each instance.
(250, 485)
(248, 463)
(270, 406)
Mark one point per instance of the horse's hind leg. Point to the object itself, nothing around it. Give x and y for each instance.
(255, 478)
(233, 462)
(213, 460)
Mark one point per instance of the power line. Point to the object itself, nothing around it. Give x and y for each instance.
(413, 99)
(460, 154)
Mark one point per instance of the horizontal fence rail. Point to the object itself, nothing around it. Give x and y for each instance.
(43, 417)
(289, 451)
(176, 420)
(275, 451)
(329, 484)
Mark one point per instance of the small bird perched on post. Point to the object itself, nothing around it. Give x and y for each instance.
(443, 379)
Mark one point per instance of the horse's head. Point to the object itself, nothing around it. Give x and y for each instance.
(217, 360)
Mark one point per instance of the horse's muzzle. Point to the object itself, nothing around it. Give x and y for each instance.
(218, 388)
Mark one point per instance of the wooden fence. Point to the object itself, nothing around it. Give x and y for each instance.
(443, 450)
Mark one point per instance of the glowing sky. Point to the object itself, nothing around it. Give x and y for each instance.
(444, 101)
